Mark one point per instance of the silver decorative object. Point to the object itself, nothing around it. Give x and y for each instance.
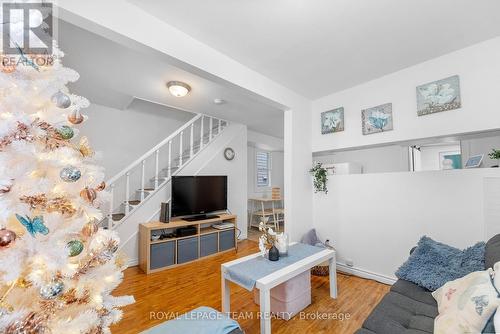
(70, 174)
(52, 290)
(61, 100)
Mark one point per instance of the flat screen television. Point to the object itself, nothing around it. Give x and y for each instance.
(198, 195)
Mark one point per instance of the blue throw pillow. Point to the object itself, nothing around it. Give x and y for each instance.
(432, 263)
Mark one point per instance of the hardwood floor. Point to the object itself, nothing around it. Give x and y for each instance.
(178, 290)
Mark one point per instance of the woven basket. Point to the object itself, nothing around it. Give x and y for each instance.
(323, 269)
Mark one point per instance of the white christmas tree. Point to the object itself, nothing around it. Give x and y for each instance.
(57, 267)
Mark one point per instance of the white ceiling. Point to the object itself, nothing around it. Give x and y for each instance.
(319, 47)
(112, 75)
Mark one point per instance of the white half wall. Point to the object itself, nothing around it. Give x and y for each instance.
(122, 136)
(375, 219)
(479, 71)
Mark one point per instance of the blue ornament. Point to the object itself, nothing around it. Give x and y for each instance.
(34, 225)
(52, 290)
(66, 132)
(70, 174)
(75, 247)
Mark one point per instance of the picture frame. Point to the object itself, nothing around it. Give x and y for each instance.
(377, 119)
(332, 121)
(438, 96)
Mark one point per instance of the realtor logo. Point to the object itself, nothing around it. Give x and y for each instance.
(27, 28)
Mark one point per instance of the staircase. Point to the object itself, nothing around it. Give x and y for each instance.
(134, 185)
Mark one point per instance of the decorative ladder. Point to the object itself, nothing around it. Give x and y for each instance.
(155, 168)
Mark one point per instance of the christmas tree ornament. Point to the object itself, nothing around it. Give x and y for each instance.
(33, 226)
(70, 174)
(101, 186)
(88, 194)
(75, 117)
(7, 68)
(66, 132)
(61, 100)
(90, 229)
(7, 237)
(75, 247)
(84, 148)
(52, 289)
(5, 187)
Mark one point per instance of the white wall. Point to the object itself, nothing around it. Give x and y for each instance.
(374, 219)
(479, 71)
(122, 136)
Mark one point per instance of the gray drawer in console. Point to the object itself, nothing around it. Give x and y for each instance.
(208, 244)
(187, 250)
(162, 255)
(226, 240)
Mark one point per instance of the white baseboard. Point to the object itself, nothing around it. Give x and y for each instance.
(132, 262)
(365, 274)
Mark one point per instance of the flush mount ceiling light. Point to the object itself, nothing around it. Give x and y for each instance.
(178, 88)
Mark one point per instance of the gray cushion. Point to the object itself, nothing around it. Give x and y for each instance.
(413, 291)
(492, 255)
(397, 313)
(364, 331)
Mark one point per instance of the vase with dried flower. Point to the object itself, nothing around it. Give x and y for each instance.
(267, 239)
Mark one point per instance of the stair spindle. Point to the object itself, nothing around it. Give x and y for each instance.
(202, 131)
(210, 131)
(191, 139)
(142, 179)
(127, 193)
(157, 166)
(169, 158)
(180, 148)
(111, 198)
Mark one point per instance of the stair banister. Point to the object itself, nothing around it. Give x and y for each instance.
(143, 181)
(182, 160)
(181, 150)
(211, 129)
(110, 213)
(150, 152)
(202, 131)
(127, 193)
(191, 141)
(169, 159)
(157, 166)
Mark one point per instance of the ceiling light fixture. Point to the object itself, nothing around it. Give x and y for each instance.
(178, 88)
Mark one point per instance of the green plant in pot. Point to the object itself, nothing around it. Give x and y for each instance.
(320, 176)
(495, 155)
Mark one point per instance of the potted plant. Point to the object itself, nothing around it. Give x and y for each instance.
(319, 174)
(495, 155)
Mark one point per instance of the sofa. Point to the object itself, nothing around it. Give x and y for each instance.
(410, 309)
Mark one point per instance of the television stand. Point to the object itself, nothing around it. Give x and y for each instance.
(200, 217)
(156, 254)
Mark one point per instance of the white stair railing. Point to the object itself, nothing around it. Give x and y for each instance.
(157, 166)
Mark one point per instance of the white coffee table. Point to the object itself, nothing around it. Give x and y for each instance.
(266, 283)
